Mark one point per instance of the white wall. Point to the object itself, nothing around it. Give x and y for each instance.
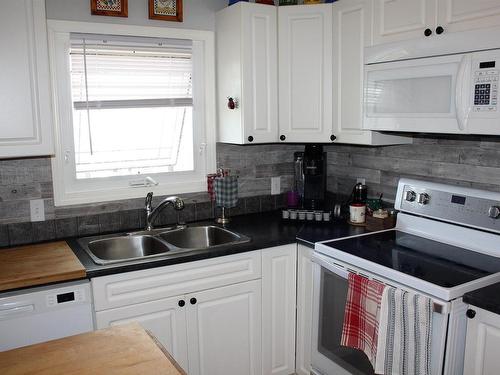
(198, 14)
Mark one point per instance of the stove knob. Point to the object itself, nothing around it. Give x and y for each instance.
(494, 212)
(423, 198)
(411, 196)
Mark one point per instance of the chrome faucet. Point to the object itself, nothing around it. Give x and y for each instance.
(152, 213)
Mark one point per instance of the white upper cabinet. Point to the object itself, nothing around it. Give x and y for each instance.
(352, 32)
(397, 20)
(26, 110)
(462, 15)
(305, 73)
(247, 72)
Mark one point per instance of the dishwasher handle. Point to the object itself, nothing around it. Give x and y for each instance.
(13, 311)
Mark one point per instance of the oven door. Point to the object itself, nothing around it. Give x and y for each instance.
(328, 357)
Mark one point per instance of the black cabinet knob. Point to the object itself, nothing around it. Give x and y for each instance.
(250, 138)
(428, 32)
(282, 137)
(332, 138)
(439, 30)
(470, 314)
(193, 301)
(182, 303)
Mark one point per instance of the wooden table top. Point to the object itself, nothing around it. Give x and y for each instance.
(38, 264)
(125, 349)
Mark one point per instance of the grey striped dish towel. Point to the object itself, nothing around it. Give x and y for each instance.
(226, 191)
(404, 336)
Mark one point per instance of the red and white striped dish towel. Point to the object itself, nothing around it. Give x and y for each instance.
(362, 315)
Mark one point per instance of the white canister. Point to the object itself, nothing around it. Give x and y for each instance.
(293, 214)
(310, 215)
(357, 213)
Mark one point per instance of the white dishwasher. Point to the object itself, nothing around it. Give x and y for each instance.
(34, 315)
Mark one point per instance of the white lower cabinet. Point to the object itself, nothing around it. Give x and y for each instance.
(304, 309)
(224, 330)
(210, 314)
(165, 318)
(278, 309)
(482, 343)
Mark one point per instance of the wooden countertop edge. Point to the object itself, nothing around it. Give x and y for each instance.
(121, 349)
(56, 263)
(42, 280)
(165, 352)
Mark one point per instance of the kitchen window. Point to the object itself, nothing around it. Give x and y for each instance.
(132, 112)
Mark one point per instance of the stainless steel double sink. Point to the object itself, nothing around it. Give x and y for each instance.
(123, 247)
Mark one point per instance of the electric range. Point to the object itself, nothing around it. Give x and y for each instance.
(446, 242)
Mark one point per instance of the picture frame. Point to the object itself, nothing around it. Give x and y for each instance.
(166, 10)
(111, 8)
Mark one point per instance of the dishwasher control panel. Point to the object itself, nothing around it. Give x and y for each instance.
(66, 297)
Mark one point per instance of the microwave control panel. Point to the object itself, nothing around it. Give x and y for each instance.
(486, 80)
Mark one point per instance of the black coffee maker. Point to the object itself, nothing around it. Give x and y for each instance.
(314, 164)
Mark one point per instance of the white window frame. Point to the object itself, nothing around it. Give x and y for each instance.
(67, 189)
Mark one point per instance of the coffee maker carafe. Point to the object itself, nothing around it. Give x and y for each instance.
(314, 165)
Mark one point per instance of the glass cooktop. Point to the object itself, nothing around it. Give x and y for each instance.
(436, 262)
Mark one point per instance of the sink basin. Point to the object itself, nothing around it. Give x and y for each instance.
(201, 237)
(160, 242)
(119, 249)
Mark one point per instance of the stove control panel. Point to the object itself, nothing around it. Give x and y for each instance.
(470, 207)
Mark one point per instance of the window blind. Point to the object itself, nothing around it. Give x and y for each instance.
(132, 105)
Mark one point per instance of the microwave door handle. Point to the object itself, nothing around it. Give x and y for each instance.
(462, 96)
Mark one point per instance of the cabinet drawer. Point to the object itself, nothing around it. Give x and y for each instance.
(162, 282)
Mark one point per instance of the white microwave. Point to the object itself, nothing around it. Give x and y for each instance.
(456, 93)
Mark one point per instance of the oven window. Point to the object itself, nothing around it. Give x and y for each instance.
(333, 295)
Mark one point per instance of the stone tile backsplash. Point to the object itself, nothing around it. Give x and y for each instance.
(24, 179)
(468, 161)
(461, 160)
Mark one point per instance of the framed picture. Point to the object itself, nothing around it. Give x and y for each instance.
(166, 10)
(114, 8)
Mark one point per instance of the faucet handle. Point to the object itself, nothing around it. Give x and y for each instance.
(149, 199)
(178, 203)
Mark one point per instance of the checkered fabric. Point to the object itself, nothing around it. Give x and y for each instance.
(226, 191)
(362, 315)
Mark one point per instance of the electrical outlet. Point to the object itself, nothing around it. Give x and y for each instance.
(275, 185)
(362, 180)
(37, 210)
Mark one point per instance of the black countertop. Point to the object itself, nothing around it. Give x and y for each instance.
(265, 230)
(487, 298)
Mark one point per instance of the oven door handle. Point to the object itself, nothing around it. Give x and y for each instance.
(325, 262)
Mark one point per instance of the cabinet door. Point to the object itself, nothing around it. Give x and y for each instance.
(304, 309)
(305, 74)
(224, 330)
(260, 73)
(396, 20)
(164, 318)
(278, 309)
(247, 70)
(26, 110)
(352, 32)
(482, 343)
(462, 15)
